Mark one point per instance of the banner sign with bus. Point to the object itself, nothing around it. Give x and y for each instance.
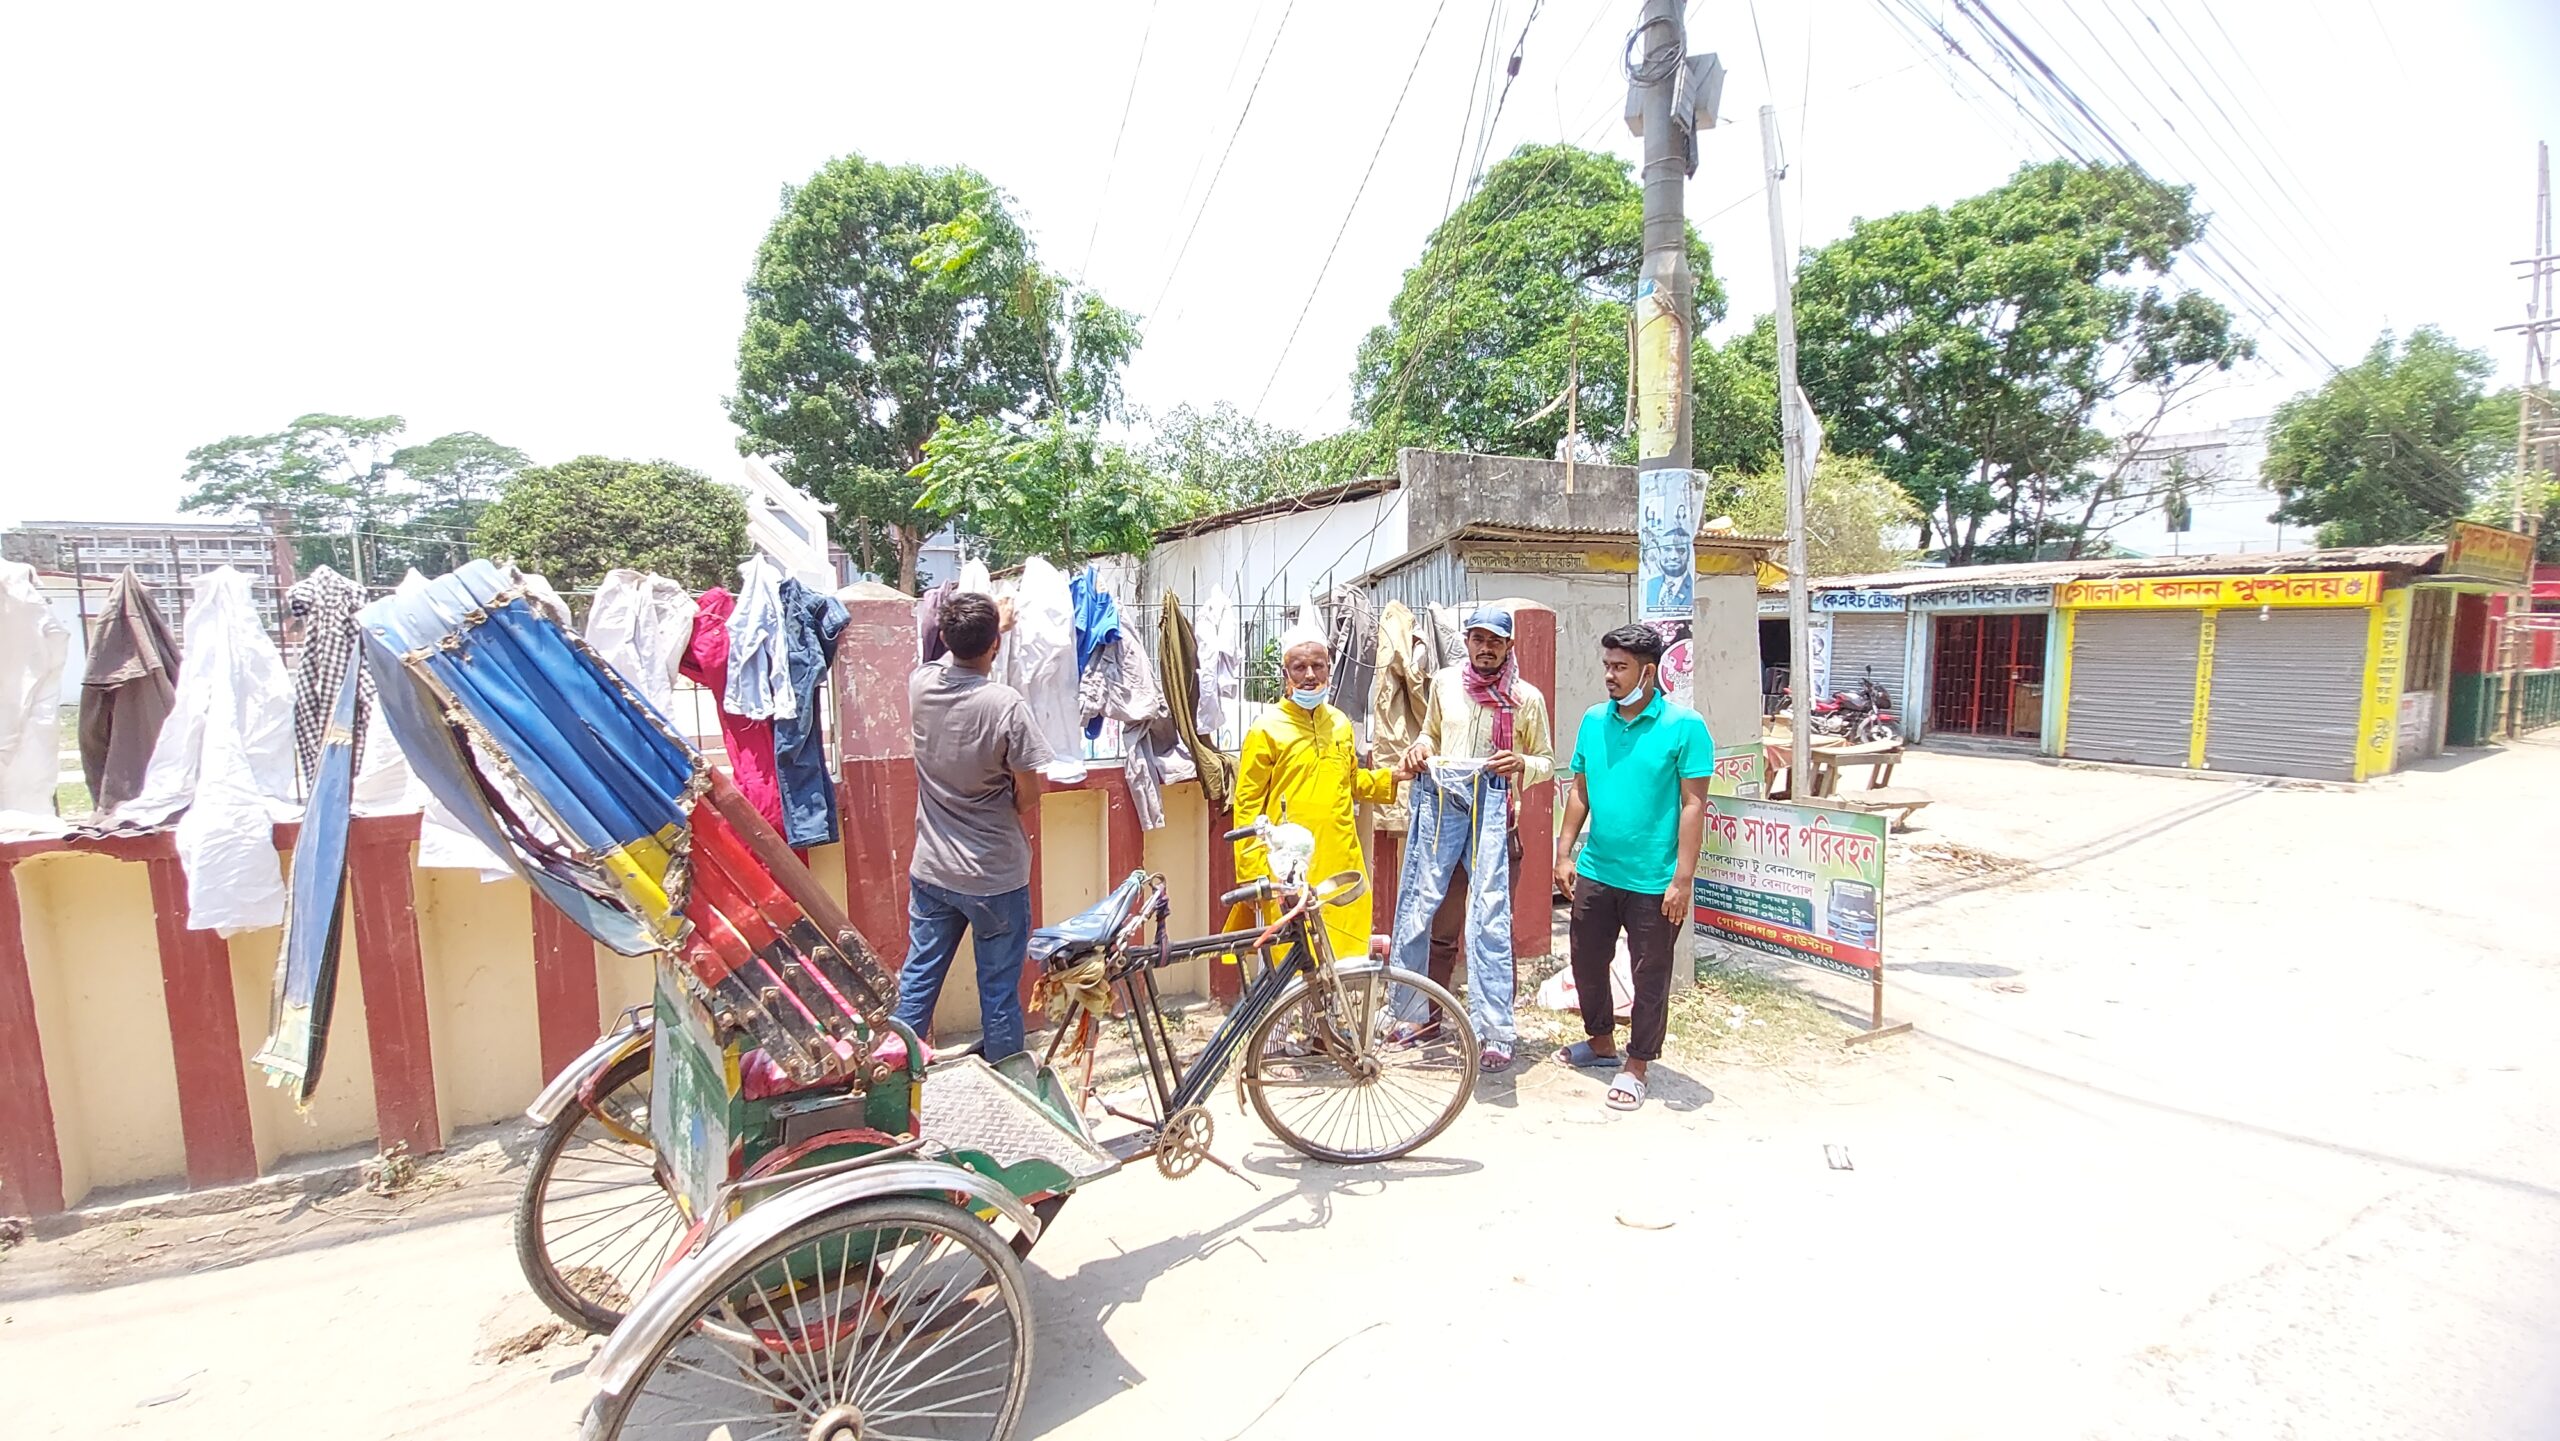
(1802, 882)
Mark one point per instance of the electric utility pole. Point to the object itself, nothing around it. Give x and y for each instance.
(2534, 432)
(1799, 473)
(1671, 96)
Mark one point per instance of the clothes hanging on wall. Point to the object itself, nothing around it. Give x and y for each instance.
(325, 603)
(125, 693)
(747, 740)
(759, 685)
(34, 643)
(1351, 622)
(1397, 700)
(225, 759)
(1097, 617)
(812, 623)
(1219, 645)
(1039, 660)
(1178, 671)
(929, 646)
(641, 624)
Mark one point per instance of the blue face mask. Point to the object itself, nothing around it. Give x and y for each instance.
(1310, 699)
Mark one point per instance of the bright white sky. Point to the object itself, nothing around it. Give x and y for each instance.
(534, 220)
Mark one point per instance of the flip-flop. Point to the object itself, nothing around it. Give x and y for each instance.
(1494, 1060)
(1626, 1091)
(1581, 1054)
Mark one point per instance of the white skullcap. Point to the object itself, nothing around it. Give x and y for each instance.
(1305, 631)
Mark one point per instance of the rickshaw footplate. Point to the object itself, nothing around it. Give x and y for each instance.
(971, 1106)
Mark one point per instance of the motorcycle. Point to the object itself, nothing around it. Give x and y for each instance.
(1862, 713)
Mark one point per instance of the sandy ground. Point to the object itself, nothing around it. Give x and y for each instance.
(2231, 1113)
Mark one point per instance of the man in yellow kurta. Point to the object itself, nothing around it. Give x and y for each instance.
(1300, 764)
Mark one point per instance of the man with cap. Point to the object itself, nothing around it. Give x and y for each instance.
(1484, 740)
(1300, 763)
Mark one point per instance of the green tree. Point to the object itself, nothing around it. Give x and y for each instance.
(1047, 482)
(1531, 281)
(1855, 514)
(885, 299)
(1972, 350)
(2392, 447)
(574, 521)
(1737, 429)
(1232, 459)
(340, 477)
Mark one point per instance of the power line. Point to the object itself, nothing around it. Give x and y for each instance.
(1384, 133)
(1233, 132)
(1101, 203)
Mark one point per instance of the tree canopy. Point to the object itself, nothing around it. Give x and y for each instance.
(345, 481)
(574, 521)
(1530, 280)
(2389, 449)
(1975, 349)
(885, 299)
(1856, 516)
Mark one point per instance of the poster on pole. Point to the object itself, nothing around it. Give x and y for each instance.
(1659, 341)
(1802, 882)
(1666, 545)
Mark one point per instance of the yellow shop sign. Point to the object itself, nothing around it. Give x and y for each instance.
(2214, 592)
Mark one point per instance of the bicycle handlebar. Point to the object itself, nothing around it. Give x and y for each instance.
(1243, 832)
(1250, 891)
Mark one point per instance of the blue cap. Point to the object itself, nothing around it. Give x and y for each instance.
(1493, 618)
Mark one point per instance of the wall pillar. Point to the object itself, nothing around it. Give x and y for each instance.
(395, 982)
(30, 1152)
(565, 1004)
(875, 766)
(204, 1036)
(1533, 642)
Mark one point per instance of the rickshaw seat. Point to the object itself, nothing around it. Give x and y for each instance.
(1090, 929)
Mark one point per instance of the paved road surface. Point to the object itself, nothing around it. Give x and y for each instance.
(2231, 1114)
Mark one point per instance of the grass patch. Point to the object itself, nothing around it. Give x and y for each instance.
(71, 800)
(1734, 1015)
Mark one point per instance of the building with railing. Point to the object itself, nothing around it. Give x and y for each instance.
(167, 555)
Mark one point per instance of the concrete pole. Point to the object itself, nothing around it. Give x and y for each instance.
(1799, 475)
(1661, 48)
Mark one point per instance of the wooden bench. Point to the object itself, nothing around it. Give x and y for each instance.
(1877, 759)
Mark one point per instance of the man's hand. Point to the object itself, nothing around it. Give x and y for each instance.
(1505, 763)
(1566, 874)
(1004, 615)
(1678, 899)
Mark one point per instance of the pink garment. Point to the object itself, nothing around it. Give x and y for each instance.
(748, 742)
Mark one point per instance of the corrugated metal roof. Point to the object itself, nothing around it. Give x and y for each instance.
(1758, 546)
(1316, 499)
(2055, 572)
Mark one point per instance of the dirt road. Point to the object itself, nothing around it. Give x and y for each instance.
(2231, 1113)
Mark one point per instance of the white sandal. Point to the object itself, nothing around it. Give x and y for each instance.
(1626, 1091)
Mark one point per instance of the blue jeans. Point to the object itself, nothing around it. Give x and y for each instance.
(1463, 823)
(1002, 926)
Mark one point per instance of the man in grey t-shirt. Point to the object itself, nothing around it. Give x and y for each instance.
(978, 757)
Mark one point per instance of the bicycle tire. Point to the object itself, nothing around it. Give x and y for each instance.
(591, 1307)
(1390, 1125)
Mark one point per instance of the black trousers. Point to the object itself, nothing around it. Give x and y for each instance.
(1600, 914)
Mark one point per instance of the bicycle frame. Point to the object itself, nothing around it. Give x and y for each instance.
(1132, 969)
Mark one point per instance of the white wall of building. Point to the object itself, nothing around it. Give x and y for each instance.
(2228, 504)
(1282, 559)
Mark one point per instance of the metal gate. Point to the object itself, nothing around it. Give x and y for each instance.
(2133, 686)
(1869, 645)
(1986, 675)
(2288, 686)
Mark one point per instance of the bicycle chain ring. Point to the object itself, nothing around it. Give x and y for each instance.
(1184, 1142)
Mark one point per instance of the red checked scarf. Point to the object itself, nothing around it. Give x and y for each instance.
(1495, 690)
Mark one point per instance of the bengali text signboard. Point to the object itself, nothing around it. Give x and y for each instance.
(1803, 882)
(2488, 553)
(2189, 592)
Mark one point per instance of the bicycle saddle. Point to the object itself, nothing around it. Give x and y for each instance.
(1090, 929)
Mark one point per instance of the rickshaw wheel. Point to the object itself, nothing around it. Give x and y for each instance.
(902, 1316)
(593, 1225)
(1397, 1071)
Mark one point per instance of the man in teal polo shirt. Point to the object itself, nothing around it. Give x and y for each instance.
(1640, 768)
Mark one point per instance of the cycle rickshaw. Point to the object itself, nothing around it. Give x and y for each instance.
(792, 1224)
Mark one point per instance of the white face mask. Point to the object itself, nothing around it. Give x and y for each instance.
(1637, 698)
(1310, 699)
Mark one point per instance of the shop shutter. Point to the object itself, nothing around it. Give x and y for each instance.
(2288, 686)
(1869, 645)
(2133, 686)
